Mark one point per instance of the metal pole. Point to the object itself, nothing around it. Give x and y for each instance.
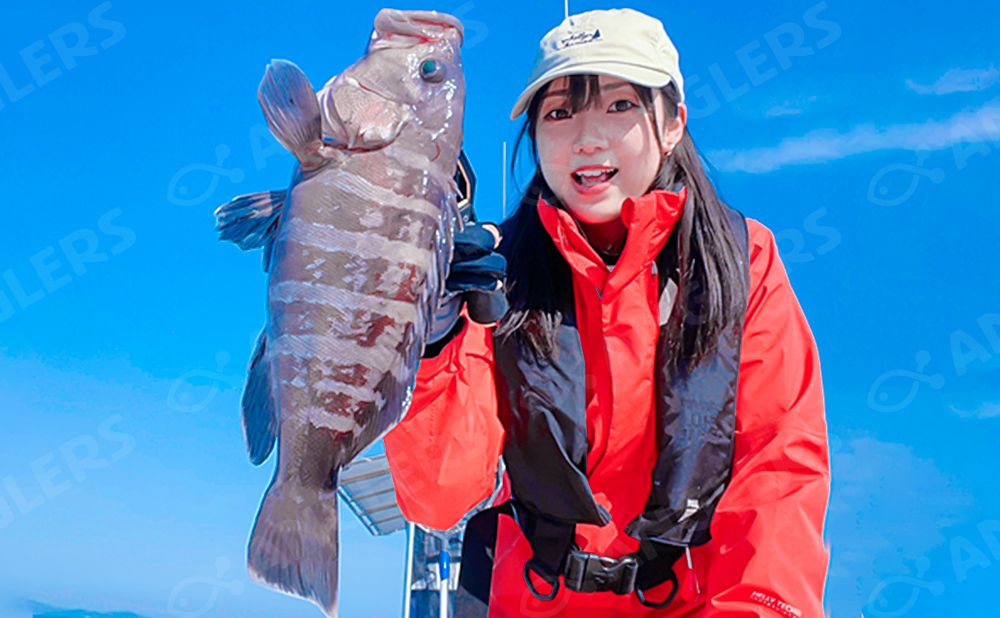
(503, 178)
(567, 9)
(444, 574)
(408, 574)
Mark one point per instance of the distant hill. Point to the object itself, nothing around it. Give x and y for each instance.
(44, 610)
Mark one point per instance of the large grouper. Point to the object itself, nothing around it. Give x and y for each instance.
(357, 250)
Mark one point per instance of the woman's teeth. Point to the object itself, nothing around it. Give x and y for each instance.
(594, 177)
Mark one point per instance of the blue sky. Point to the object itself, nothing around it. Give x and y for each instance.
(869, 148)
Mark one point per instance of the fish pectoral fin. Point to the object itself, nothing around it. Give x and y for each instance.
(251, 221)
(260, 419)
(292, 111)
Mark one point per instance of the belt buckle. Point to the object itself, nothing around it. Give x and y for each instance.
(595, 573)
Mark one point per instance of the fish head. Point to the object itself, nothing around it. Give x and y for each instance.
(411, 77)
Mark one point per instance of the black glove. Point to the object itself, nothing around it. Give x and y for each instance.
(478, 272)
(476, 278)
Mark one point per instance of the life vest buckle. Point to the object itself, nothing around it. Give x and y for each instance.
(594, 573)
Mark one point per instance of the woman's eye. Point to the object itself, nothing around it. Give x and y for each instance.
(558, 113)
(622, 105)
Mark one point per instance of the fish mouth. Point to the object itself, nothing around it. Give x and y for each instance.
(372, 120)
(333, 143)
(425, 26)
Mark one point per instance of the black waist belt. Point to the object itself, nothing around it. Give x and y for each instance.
(558, 561)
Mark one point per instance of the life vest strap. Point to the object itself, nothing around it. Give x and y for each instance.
(556, 557)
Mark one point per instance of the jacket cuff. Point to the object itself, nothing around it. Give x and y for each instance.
(431, 350)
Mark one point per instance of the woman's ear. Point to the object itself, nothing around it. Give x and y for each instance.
(673, 129)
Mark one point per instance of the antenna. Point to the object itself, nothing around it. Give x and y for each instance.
(503, 183)
(567, 8)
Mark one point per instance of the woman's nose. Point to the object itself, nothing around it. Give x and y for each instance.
(590, 139)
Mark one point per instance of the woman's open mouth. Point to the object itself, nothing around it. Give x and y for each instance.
(593, 179)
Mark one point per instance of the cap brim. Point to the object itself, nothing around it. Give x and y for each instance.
(632, 73)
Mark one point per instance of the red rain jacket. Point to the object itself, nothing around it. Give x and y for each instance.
(766, 558)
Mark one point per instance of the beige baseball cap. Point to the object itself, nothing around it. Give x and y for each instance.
(621, 43)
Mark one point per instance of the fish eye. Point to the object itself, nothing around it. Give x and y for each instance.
(432, 71)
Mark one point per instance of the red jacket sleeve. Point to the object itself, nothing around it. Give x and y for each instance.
(772, 561)
(443, 456)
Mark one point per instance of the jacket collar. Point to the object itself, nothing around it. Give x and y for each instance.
(648, 219)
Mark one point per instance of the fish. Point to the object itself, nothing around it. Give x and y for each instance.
(356, 250)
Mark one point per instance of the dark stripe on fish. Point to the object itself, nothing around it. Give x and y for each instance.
(322, 384)
(388, 222)
(303, 317)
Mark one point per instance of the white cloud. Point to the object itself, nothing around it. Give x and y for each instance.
(984, 411)
(958, 80)
(793, 107)
(981, 124)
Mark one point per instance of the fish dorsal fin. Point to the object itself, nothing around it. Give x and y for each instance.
(292, 111)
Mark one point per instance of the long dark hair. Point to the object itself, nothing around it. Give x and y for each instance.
(702, 255)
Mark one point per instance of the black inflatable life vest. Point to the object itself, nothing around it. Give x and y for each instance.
(545, 452)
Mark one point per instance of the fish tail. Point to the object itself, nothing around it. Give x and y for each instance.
(294, 544)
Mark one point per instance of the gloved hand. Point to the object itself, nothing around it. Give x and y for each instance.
(476, 278)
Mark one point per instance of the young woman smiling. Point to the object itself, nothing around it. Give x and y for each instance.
(654, 388)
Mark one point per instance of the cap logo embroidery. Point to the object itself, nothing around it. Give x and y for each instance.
(580, 38)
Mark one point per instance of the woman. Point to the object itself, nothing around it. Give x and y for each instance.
(654, 388)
